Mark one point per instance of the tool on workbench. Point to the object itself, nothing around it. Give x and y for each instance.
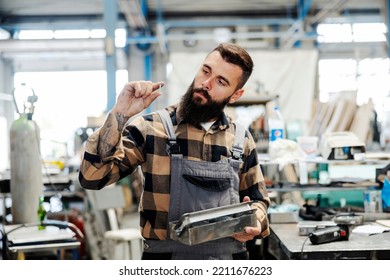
(344, 224)
(330, 234)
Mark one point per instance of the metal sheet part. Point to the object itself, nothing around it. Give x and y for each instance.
(307, 227)
(211, 224)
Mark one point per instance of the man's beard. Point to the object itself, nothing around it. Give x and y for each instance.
(196, 113)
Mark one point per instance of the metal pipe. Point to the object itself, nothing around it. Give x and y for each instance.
(210, 36)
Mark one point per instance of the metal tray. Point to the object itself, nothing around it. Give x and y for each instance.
(214, 223)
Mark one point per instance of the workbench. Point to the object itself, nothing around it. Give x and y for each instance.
(285, 242)
(25, 239)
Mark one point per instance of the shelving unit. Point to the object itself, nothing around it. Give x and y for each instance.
(295, 176)
(302, 165)
(258, 127)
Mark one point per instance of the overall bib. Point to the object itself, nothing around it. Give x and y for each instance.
(199, 185)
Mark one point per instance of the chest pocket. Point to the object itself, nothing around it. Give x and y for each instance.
(208, 184)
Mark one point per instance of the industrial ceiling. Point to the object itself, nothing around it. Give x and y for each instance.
(156, 21)
(16, 14)
(16, 10)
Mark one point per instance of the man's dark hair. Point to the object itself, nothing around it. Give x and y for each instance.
(235, 54)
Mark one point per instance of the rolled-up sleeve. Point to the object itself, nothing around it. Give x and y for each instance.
(96, 171)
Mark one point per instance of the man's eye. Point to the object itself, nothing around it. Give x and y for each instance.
(222, 82)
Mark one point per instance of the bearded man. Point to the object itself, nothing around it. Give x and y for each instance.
(193, 157)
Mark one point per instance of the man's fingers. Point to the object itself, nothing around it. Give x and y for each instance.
(151, 98)
(155, 92)
(143, 88)
(132, 88)
(158, 85)
(147, 90)
(252, 231)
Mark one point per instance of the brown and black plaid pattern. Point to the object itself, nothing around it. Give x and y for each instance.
(144, 142)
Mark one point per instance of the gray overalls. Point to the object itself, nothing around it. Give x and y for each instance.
(199, 185)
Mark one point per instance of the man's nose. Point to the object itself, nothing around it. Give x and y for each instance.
(206, 84)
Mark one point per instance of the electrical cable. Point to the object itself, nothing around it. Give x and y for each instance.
(303, 245)
(77, 230)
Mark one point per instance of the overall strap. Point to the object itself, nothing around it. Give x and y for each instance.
(238, 145)
(173, 147)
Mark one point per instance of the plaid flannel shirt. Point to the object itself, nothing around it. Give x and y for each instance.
(144, 141)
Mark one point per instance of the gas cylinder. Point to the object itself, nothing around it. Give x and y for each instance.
(26, 169)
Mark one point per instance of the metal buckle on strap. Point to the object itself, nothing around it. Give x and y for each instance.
(173, 148)
(236, 153)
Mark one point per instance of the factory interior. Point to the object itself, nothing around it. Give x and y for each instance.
(324, 64)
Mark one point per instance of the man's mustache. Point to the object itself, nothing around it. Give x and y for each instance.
(202, 91)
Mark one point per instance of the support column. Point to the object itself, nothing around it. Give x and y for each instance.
(148, 75)
(6, 87)
(387, 18)
(110, 21)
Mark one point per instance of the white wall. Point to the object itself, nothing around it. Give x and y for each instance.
(290, 74)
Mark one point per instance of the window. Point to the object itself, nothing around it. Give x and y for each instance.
(348, 32)
(65, 100)
(367, 78)
(120, 35)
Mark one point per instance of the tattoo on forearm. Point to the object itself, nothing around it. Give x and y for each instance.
(121, 120)
(111, 134)
(105, 146)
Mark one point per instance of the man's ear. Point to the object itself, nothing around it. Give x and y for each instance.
(236, 95)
